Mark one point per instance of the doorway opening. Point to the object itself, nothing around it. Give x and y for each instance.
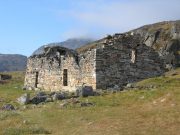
(65, 77)
(36, 80)
(133, 56)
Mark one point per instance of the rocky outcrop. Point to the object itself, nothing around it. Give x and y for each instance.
(163, 37)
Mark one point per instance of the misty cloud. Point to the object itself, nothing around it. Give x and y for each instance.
(101, 17)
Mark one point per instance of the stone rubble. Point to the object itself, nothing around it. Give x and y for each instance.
(8, 107)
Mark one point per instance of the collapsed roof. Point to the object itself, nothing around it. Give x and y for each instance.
(49, 51)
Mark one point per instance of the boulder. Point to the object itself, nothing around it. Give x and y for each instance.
(38, 99)
(49, 99)
(24, 99)
(58, 96)
(85, 91)
(41, 93)
(130, 85)
(8, 107)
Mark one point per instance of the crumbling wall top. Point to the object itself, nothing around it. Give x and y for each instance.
(52, 51)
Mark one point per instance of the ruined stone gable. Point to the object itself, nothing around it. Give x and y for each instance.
(59, 68)
(124, 60)
(114, 61)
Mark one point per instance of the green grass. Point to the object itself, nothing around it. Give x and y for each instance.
(22, 131)
(152, 111)
(12, 89)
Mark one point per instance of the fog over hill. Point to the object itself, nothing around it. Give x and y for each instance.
(16, 62)
(72, 43)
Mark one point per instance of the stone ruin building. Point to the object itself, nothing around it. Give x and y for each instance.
(111, 62)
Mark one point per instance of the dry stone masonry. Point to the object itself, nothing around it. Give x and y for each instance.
(113, 62)
(59, 68)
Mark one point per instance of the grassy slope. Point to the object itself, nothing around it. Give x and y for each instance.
(138, 112)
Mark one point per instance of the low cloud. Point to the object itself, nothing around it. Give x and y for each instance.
(101, 17)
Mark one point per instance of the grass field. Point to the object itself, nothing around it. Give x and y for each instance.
(148, 111)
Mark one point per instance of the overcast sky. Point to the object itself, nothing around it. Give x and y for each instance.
(27, 24)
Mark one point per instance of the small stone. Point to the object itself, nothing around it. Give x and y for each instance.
(154, 102)
(24, 107)
(37, 89)
(74, 101)
(129, 85)
(162, 100)
(65, 104)
(142, 97)
(49, 99)
(8, 107)
(84, 104)
(24, 99)
(58, 96)
(90, 123)
(25, 122)
(29, 88)
(85, 91)
(116, 87)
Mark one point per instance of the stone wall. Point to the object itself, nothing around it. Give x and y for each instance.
(47, 72)
(125, 60)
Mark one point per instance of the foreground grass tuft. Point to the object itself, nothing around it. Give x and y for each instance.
(23, 131)
(7, 114)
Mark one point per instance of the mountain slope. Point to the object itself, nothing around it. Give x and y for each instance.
(12, 62)
(70, 43)
(164, 37)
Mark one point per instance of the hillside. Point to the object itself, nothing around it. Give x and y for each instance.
(164, 37)
(150, 108)
(12, 62)
(70, 43)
